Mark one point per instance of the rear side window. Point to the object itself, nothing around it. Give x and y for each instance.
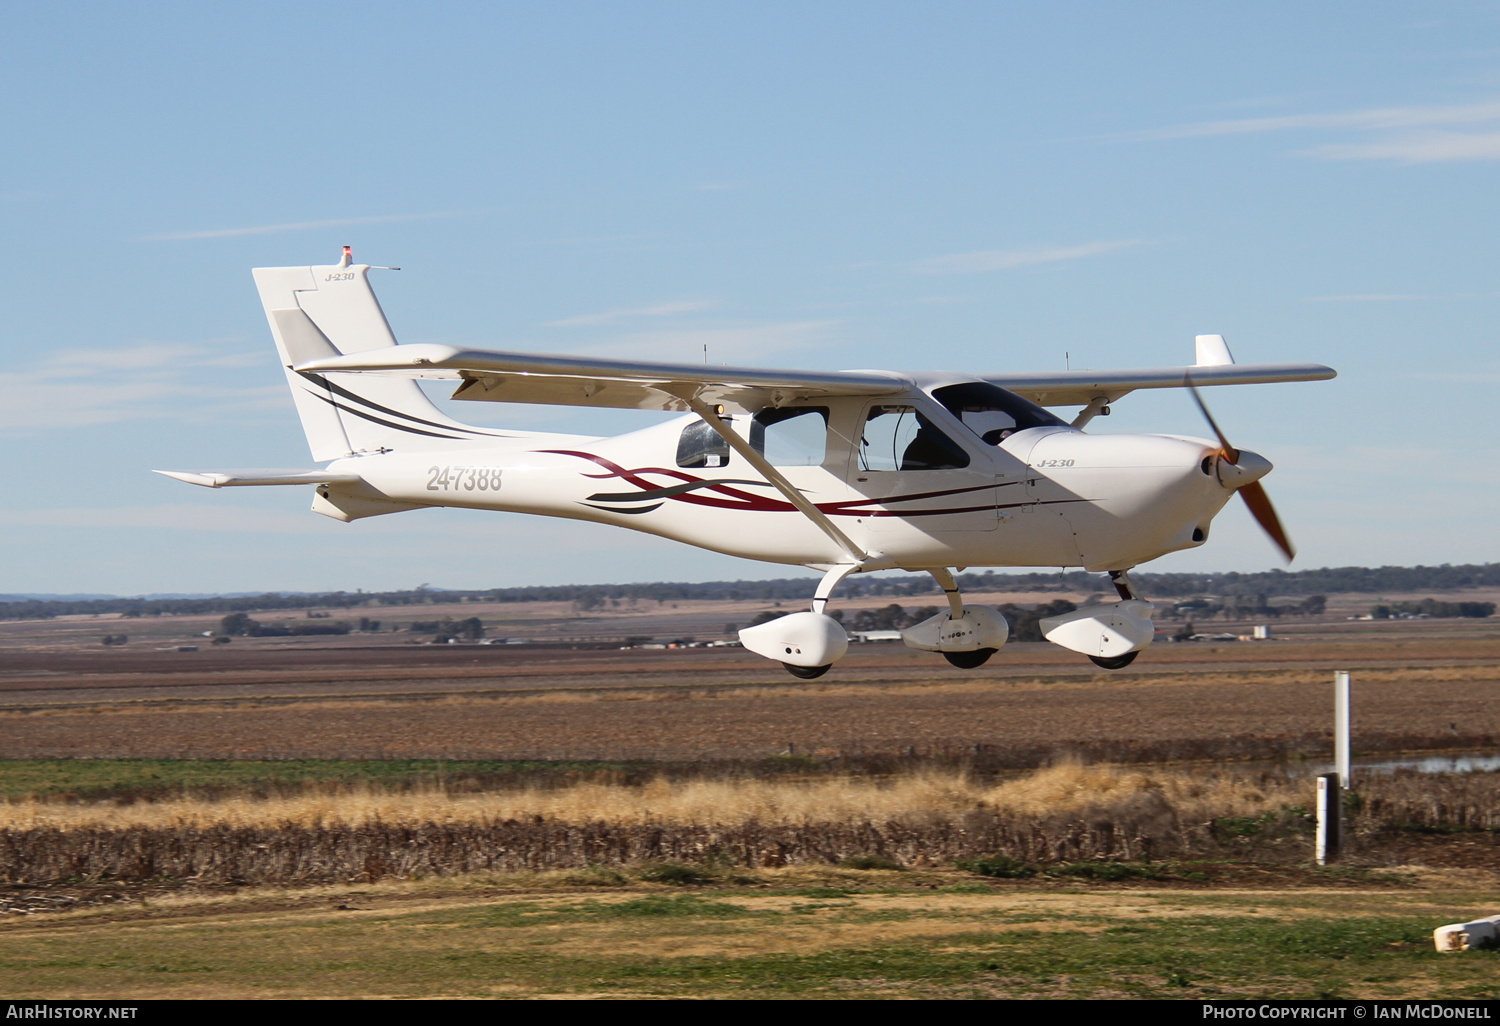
(794, 436)
(701, 446)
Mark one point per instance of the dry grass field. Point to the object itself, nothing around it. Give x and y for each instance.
(1031, 704)
(565, 820)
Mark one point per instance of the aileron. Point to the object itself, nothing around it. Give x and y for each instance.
(1079, 388)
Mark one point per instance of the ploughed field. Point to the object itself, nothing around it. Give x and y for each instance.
(1032, 703)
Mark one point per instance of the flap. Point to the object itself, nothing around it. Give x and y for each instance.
(494, 376)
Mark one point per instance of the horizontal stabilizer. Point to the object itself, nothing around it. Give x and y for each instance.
(248, 478)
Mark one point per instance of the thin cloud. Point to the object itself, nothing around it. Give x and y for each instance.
(1386, 297)
(1370, 297)
(301, 226)
(1424, 148)
(33, 402)
(1009, 259)
(1404, 135)
(1376, 118)
(174, 517)
(675, 309)
(86, 388)
(147, 356)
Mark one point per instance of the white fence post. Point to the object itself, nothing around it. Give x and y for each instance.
(1341, 726)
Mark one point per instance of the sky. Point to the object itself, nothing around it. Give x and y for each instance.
(976, 187)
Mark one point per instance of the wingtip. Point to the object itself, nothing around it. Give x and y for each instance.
(202, 480)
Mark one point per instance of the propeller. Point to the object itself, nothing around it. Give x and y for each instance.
(1252, 491)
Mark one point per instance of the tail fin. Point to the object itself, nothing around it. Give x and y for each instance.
(329, 310)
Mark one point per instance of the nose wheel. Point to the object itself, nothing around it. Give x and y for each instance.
(1115, 663)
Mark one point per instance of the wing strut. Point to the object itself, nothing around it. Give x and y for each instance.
(756, 460)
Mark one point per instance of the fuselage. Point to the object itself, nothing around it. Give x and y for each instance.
(914, 482)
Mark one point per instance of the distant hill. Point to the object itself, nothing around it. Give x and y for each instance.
(1328, 580)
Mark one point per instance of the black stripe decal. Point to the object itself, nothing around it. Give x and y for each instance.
(614, 509)
(340, 390)
(386, 423)
(665, 493)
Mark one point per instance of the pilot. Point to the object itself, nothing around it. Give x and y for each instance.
(932, 450)
(993, 426)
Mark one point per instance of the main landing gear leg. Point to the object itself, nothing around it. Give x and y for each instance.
(963, 660)
(806, 643)
(830, 581)
(1121, 580)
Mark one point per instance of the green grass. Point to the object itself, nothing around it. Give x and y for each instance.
(756, 945)
(1006, 868)
(651, 906)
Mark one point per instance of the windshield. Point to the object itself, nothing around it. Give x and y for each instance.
(991, 412)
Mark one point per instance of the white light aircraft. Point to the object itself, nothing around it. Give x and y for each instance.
(844, 472)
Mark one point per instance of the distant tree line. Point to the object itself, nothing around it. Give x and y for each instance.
(590, 597)
(1024, 621)
(1243, 607)
(240, 625)
(1434, 608)
(448, 629)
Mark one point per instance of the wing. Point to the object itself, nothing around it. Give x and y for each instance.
(1079, 388)
(492, 376)
(1215, 366)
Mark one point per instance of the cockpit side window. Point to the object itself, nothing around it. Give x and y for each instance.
(701, 446)
(991, 412)
(793, 436)
(901, 438)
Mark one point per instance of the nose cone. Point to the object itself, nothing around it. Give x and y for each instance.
(1252, 466)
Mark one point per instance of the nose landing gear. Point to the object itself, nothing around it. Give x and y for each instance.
(1111, 634)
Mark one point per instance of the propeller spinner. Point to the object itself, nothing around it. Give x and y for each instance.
(1245, 469)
